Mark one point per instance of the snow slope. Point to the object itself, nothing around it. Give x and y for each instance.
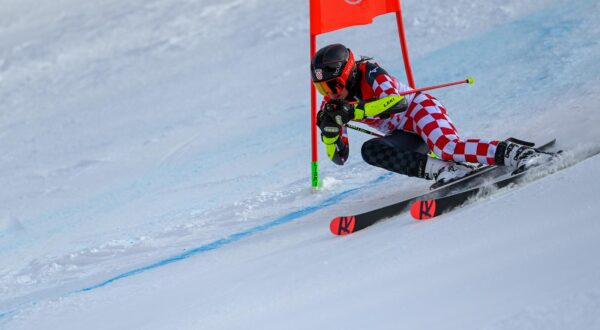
(154, 164)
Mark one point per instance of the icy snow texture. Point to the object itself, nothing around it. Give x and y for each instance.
(157, 154)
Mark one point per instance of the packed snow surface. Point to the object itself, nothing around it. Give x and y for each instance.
(155, 163)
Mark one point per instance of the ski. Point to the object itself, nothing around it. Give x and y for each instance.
(427, 208)
(345, 225)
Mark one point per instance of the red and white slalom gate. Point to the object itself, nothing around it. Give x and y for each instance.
(331, 15)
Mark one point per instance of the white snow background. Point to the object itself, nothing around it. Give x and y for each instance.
(155, 163)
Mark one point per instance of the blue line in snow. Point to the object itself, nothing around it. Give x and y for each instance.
(240, 235)
(6, 313)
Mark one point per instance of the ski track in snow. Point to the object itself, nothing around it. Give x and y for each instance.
(579, 311)
(117, 159)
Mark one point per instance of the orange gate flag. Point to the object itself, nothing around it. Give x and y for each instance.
(331, 15)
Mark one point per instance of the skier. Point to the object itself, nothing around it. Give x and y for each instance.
(413, 124)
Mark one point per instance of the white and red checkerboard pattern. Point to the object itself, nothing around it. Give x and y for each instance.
(385, 85)
(427, 117)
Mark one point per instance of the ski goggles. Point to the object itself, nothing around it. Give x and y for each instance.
(329, 87)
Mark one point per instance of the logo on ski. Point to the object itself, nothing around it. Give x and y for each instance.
(342, 225)
(423, 210)
(446, 198)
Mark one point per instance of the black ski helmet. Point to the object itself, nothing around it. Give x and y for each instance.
(333, 68)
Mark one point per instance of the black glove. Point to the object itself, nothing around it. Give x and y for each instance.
(336, 149)
(329, 128)
(340, 111)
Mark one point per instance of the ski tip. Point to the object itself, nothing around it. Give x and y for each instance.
(423, 210)
(342, 225)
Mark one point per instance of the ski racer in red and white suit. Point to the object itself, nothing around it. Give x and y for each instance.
(413, 124)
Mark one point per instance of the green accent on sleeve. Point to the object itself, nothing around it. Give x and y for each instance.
(331, 149)
(470, 80)
(359, 114)
(328, 140)
(377, 107)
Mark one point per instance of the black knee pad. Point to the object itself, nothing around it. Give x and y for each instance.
(368, 151)
(378, 152)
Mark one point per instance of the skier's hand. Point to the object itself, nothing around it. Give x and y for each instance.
(329, 128)
(337, 149)
(340, 111)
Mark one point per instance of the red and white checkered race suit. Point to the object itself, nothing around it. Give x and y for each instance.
(425, 116)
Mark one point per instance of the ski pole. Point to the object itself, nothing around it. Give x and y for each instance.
(470, 80)
(360, 129)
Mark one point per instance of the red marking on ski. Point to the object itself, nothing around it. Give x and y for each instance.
(342, 225)
(423, 210)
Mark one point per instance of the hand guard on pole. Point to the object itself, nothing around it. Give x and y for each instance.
(340, 111)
